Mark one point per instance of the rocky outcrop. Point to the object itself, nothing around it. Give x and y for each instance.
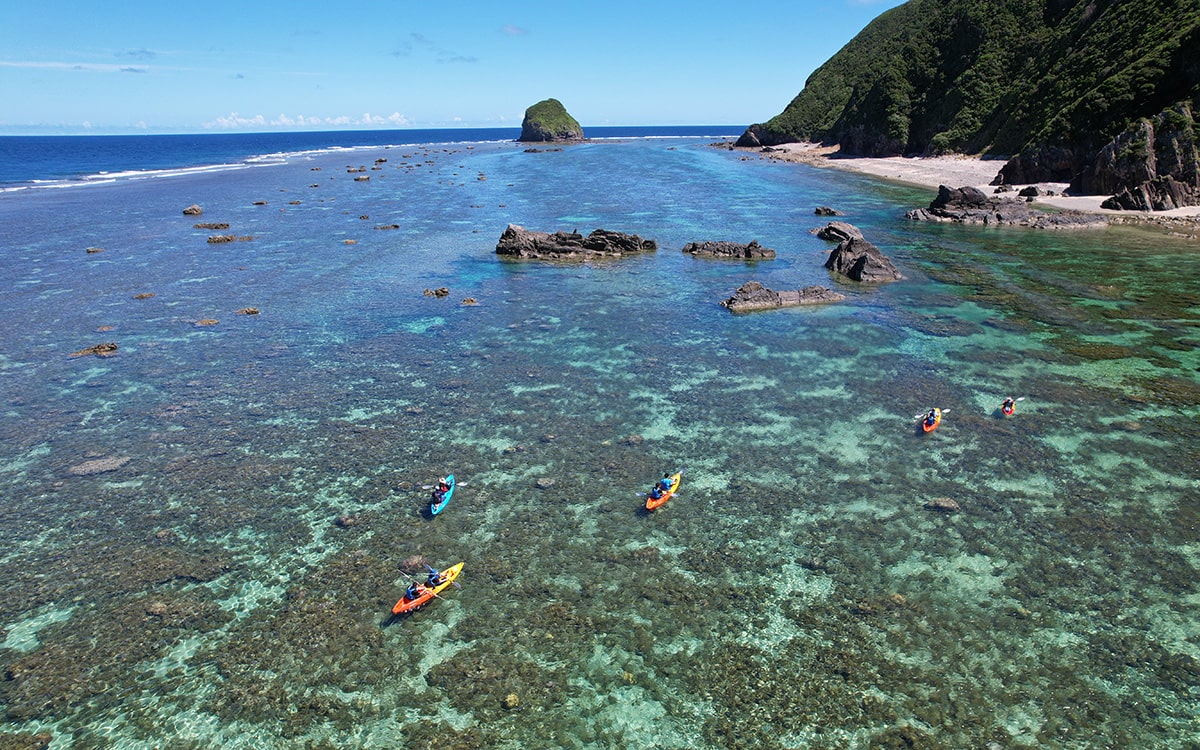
(753, 296)
(858, 259)
(107, 349)
(547, 121)
(1153, 166)
(519, 242)
(193, 210)
(721, 249)
(838, 231)
(970, 205)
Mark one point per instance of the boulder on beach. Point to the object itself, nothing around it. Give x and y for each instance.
(970, 205)
(721, 249)
(519, 242)
(753, 296)
(549, 121)
(858, 259)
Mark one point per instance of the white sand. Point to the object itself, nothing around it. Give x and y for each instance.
(953, 171)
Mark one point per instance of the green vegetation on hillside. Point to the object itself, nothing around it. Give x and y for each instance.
(998, 77)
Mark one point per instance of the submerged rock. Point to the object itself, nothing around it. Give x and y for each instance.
(753, 296)
(944, 504)
(98, 466)
(519, 242)
(721, 249)
(858, 259)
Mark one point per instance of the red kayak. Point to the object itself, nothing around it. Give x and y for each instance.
(929, 425)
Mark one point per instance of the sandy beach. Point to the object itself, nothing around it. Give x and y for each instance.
(960, 171)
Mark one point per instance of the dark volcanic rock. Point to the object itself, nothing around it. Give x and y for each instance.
(860, 260)
(519, 242)
(1153, 166)
(969, 205)
(826, 211)
(838, 231)
(1159, 194)
(752, 251)
(753, 296)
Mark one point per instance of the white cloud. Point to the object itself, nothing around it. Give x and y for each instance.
(235, 121)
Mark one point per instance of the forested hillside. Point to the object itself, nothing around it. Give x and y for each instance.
(1049, 82)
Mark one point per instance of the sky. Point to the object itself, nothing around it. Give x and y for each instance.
(75, 66)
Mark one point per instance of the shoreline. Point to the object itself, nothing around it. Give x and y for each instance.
(961, 171)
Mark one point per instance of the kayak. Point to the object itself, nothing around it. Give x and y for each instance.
(937, 420)
(426, 594)
(437, 505)
(655, 502)
(1007, 409)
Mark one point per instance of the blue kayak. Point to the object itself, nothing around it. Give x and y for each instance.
(442, 499)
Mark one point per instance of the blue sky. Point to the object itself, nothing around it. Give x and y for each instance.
(77, 67)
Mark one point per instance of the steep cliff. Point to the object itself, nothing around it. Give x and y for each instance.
(1049, 82)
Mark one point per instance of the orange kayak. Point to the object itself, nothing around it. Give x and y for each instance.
(937, 420)
(653, 502)
(425, 594)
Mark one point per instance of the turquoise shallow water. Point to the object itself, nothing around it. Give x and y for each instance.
(797, 593)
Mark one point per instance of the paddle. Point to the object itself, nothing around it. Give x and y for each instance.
(431, 486)
(920, 416)
(427, 588)
(434, 570)
(1009, 405)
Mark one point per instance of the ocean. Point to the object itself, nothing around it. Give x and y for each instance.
(215, 456)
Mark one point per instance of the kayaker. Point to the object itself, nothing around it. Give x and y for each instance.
(1009, 404)
(931, 417)
(442, 488)
(657, 492)
(414, 590)
(434, 579)
(665, 483)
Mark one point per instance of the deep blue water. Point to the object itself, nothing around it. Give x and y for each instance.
(205, 531)
(26, 160)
